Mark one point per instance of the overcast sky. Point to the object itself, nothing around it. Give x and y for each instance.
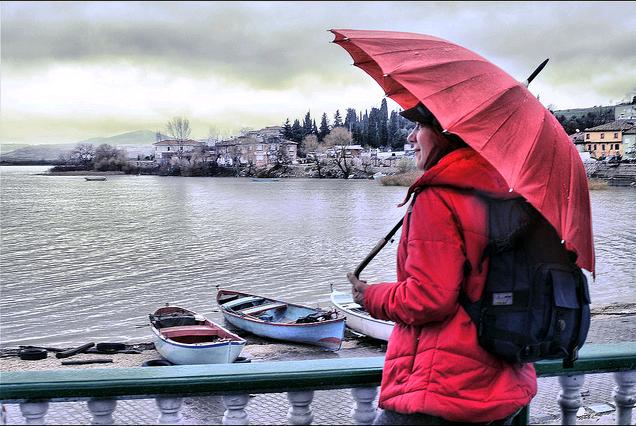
(77, 70)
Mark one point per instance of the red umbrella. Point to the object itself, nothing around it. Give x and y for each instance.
(493, 113)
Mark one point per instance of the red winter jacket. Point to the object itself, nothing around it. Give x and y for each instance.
(434, 364)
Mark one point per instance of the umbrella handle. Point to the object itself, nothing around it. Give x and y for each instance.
(377, 249)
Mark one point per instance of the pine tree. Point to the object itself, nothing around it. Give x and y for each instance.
(383, 130)
(314, 129)
(296, 131)
(307, 125)
(392, 129)
(324, 127)
(287, 130)
(337, 120)
(350, 119)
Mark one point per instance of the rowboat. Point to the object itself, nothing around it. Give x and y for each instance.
(279, 320)
(95, 178)
(360, 320)
(255, 179)
(185, 337)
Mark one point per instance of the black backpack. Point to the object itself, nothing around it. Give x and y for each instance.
(535, 303)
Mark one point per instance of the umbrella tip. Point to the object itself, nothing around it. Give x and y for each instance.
(536, 72)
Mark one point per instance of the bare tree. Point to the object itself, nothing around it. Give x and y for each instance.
(315, 152)
(340, 138)
(83, 154)
(108, 157)
(235, 155)
(179, 129)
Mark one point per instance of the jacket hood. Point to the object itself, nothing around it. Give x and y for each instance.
(464, 169)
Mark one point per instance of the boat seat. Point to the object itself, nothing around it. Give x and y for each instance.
(240, 301)
(199, 330)
(260, 308)
(351, 305)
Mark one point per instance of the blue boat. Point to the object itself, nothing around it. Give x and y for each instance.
(279, 320)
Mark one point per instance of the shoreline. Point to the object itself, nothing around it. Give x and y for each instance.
(610, 324)
(392, 178)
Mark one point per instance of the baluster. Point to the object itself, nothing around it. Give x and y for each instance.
(625, 396)
(364, 411)
(34, 411)
(102, 410)
(235, 413)
(570, 397)
(170, 408)
(300, 411)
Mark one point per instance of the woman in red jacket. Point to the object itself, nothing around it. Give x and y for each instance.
(435, 370)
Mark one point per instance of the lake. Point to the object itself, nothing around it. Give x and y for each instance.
(87, 261)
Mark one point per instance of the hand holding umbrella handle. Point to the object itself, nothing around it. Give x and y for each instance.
(377, 249)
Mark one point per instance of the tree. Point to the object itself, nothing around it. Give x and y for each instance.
(297, 131)
(307, 125)
(383, 131)
(179, 129)
(108, 157)
(340, 138)
(287, 130)
(83, 155)
(350, 119)
(337, 119)
(324, 127)
(315, 152)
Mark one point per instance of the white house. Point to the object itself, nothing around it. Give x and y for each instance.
(167, 149)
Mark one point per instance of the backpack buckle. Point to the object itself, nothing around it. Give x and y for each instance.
(569, 361)
(530, 352)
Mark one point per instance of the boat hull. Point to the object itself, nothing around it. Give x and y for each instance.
(359, 320)
(327, 334)
(223, 353)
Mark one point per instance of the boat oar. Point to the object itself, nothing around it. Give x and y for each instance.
(75, 351)
(377, 249)
(88, 361)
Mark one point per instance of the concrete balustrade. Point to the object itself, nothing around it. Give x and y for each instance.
(102, 388)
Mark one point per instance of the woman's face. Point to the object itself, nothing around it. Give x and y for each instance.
(428, 144)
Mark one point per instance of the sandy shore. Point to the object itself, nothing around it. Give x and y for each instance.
(256, 350)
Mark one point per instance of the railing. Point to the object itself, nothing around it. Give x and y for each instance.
(101, 388)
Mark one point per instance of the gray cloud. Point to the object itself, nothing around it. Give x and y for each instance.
(282, 45)
(270, 43)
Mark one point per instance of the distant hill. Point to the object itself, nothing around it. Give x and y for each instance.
(136, 143)
(8, 147)
(139, 137)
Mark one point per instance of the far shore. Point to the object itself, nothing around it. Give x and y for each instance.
(82, 173)
(392, 176)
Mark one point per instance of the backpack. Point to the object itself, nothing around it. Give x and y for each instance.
(535, 303)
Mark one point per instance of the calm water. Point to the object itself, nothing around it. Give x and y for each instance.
(87, 261)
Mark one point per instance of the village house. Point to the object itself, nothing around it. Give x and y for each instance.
(350, 151)
(260, 148)
(168, 149)
(610, 139)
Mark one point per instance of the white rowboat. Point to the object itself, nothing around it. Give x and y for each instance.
(358, 319)
(185, 337)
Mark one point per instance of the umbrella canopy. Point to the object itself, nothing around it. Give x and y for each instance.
(493, 113)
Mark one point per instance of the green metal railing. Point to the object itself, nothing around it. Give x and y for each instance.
(258, 377)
